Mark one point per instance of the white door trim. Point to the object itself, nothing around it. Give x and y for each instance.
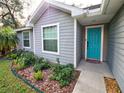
(75, 43)
(102, 33)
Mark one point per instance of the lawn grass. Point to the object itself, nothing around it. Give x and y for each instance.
(9, 83)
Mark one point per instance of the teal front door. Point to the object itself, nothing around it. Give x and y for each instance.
(94, 43)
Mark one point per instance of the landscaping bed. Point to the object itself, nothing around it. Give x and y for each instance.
(46, 85)
(111, 85)
(43, 75)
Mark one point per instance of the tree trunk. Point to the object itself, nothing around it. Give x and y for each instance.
(12, 15)
(14, 21)
(3, 51)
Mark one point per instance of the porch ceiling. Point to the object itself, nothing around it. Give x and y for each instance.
(108, 9)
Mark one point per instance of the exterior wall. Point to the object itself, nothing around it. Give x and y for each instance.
(79, 42)
(83, 45)
(105, 42)
(20, 45)
(66, 35)
(116, 47)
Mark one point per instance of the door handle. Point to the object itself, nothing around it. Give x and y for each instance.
(87, 43)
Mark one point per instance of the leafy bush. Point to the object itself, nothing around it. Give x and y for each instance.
(20, 63)
(44, 65)
(20, 66)
(29, 58)
(38, 75)
(63, 74)
(13, 56)
(23, 59)
(37, 67)
(41, 65)
(19, 51)
(57, 67)
(70, 65)
(8, 39)
(26, 58)
(38, 60)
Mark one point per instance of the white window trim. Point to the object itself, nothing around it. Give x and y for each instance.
(34, 40)
(55, 24)
(102, 33)
(29, 39)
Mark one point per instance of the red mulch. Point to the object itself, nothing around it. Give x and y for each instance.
(46, 85)
(111, 85)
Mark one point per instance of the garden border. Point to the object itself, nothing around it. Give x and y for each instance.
(25, 81)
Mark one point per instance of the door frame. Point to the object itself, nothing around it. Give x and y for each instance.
(102, 33)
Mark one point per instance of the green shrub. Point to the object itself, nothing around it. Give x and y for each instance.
(44, 65)
(70, 66)
(14, 62)
(41, 64)
(20, 60)
(15, 54)
(20, 63)
(39, 60)
(63, 74)
(37, 67)
(29, 58)
(26, 58)
(57, 67)
(20, 66)
(18, 52)
(11, 55)
(38, 75)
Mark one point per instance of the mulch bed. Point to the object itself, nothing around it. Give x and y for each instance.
(112, 85)
(46, 85)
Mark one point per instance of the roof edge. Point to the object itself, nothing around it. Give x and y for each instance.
(56, 4)
(24, 28)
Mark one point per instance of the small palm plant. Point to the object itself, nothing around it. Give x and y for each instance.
(8, 39)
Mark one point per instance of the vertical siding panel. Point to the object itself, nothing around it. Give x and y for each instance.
(116, 47)
(79, 41)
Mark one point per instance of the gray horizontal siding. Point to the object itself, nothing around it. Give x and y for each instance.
(116, 47)
(20, 45)
(66, 33)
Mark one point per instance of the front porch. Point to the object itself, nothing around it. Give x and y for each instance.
(91, 79)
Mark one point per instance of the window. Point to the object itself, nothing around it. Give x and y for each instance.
(26, 39)
(50, 38)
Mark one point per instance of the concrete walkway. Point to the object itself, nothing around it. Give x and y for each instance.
(91, 79)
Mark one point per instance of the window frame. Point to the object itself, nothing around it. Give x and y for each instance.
(23, 39)
(44, 26)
